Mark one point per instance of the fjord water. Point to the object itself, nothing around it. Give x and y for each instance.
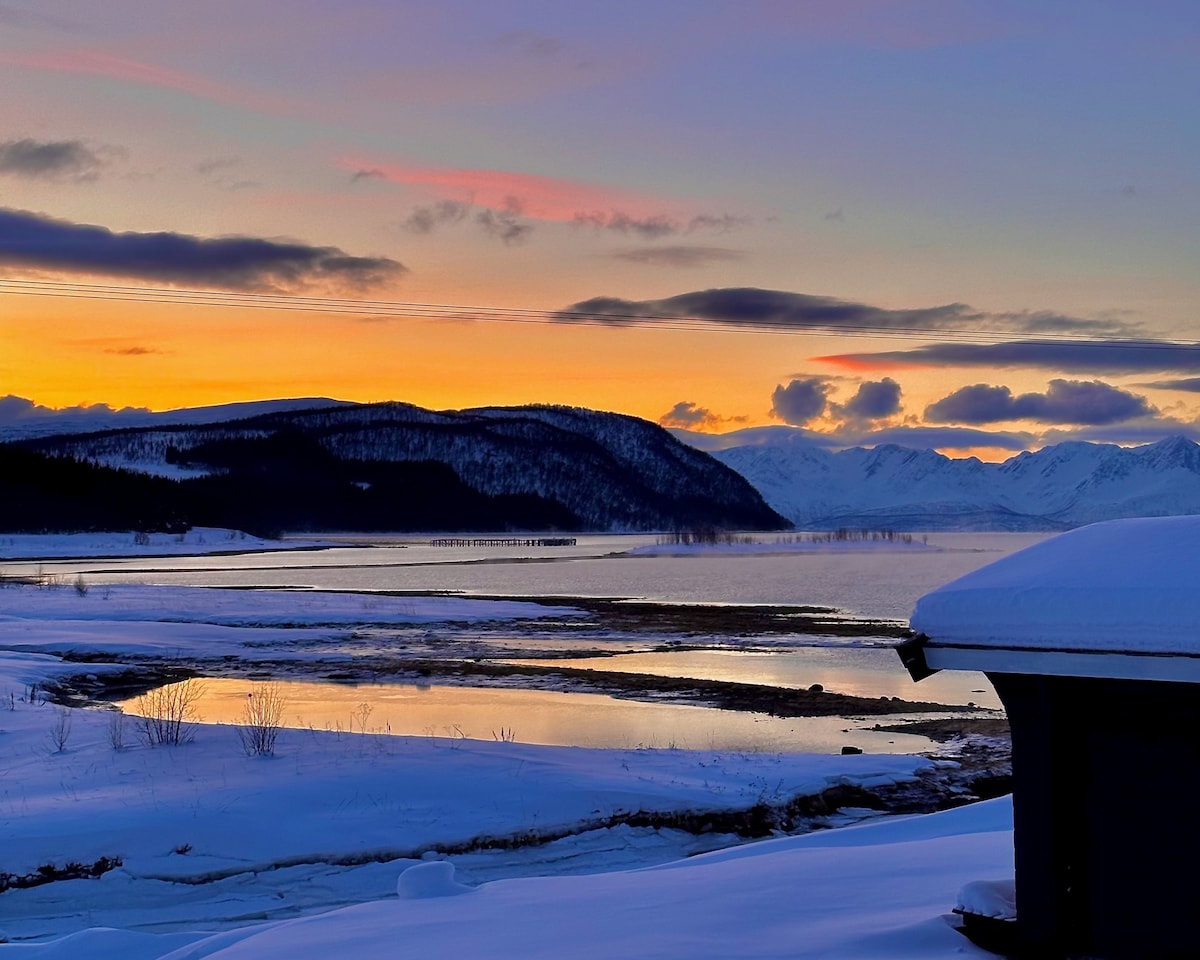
(875, 584)
(879, 583)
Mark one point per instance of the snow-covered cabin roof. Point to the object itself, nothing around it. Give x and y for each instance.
(1113, 599)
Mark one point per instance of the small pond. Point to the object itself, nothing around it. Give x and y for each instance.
(544, 716)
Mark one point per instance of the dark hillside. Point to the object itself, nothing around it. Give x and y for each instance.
(398, 467)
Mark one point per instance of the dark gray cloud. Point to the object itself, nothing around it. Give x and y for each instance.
(874, 400)
(679, 256)
(219, 172)
(50, 159)
(716, 222)
(688, 415)
(425, 220)
(132, 351)
(650, 228)
(14, 409)
(216, 164)
(781, 309)
(800, 401)
(1113, 357)
(659, 225)
(1088, 402)
(1187, 385)
(505, 225)
(367, 174)
(32, 240)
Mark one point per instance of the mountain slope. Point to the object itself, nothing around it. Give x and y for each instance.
(1061, 486)
(396, 466)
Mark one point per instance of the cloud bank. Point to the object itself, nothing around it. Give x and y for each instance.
(783, 310)
(1112, 357)
(31, 240)
(681, 256)
(551, 199)
(1085, 402)
(801, 401)
(687, 415)
(874, 400)
(49, 159)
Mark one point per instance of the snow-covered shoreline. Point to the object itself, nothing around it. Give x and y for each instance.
(230, 856)
(198, 541)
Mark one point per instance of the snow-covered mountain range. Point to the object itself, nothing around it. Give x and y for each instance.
(1057, 487)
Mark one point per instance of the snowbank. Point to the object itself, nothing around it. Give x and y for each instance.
(1119, 586)
(331, 818)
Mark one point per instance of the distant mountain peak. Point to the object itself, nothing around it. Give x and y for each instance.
(1063, 485)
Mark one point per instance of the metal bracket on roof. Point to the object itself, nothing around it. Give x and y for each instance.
(912, 655)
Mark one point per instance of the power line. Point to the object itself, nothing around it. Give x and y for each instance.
(392, 309)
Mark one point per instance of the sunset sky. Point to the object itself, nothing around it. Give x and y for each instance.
(967, 225)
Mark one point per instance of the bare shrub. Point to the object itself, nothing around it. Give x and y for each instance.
(361, 713)
(81, 586)
(505, 735)
(168, 714)
(60, 729)
(261, 720)
(116, 730)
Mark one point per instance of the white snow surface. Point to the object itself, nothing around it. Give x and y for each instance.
(235, 607)
(989, 898)
(306, 854)
(205, 622)
(229, 856)
(1121, 585)
(125, 543)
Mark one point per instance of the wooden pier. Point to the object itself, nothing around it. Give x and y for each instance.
(503, 542)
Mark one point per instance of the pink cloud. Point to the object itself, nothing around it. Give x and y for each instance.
(543, 198)
(96, 63)
(866, 362)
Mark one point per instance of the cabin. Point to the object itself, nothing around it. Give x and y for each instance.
(1092, 641)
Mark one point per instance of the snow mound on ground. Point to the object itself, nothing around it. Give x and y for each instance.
(1121, 585)
(423, 881)
(783, 898)
(989, 898)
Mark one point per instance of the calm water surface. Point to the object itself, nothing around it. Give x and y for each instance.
(873, 584)
(877, 584)
(858, 671)
(548, 717)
